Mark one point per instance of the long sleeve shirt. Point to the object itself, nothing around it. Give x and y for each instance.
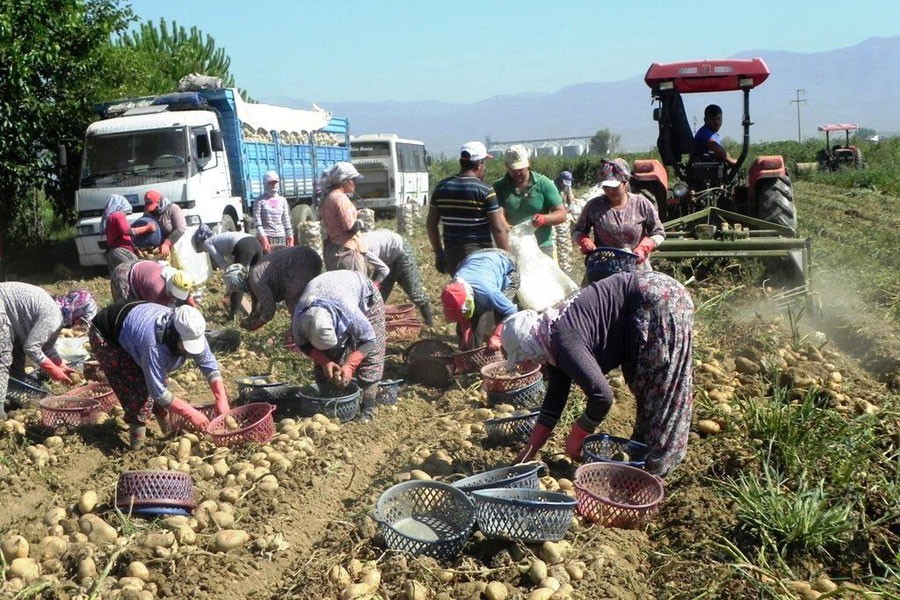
(383, 248)
(35, 319)
(118, 232)
(147, 283)
(139, 339)
(489, 274)
(282, 275)
(220, 247)
(173, 222)
(272, 216)
(338, 215)
(352, 293)
(619, 227)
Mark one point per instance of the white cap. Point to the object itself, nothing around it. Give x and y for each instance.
(318, 327)
(474, 151)
(271, 176)
(516, 157)
(178, 283)
(191, 326)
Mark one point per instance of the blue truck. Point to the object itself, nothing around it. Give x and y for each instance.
(205, 150)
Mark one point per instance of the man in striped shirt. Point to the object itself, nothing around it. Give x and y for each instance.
(466, 208)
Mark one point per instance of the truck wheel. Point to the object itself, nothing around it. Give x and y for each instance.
(227, 224)
(857, 157)
(776, 201)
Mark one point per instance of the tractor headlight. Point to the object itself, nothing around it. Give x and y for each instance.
(680, 190)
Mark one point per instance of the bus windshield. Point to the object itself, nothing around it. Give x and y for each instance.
(370, 149)
(135, 157)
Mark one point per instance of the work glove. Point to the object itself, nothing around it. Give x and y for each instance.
(348, 369)
(218, 389)
(289, 242)
(643, 249)
(539, 436)
(197, 418)
(440, 261)
(494, 342)
(56, 372)
(586, 244)
(539, 221)
(320, 358)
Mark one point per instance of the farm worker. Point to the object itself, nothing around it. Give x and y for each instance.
(339, 323)
(485, 282)
(463, 215)
(619, 218)
(228, 249)
(639, 321)
(151, 281)
(114, 225)
(707, 141)
(526, 195)
(272, 215)
(137, 345)
(279, 276)
(170, 218)
(399, 257)
(564, 182)
(344, 248)
(30, 320)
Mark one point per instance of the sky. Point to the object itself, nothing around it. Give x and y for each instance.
(382, 50)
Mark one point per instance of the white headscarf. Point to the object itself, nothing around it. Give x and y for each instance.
(520, 340)
(235, 278)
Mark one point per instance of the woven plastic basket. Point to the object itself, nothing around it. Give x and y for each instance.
(389, 391)
(606, 261)
(63, 411)
(399, 312)
(255, 425)
(154, 489)
(100, 392)
(511, 430)
(524, 515)
(329, 400)
(179, 423)
(403, 330)
(427, 518)
(530, 395)
(470, 361)
(496, 377)
(426, 349)
(617, 495)
(602, 447)
(24, 389)
(223, 340)
(147, 240)
(261, 388)
(524, 476)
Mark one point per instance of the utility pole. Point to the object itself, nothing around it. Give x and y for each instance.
(797, 102)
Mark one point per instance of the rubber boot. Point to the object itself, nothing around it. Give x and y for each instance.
(576, 440)
(427, 314)
(539, 436)
(369, 398)
(137, 433)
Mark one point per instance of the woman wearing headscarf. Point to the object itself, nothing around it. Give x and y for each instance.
(339, 323)
(235, 252)
(170, 217)
(152, 281)
(618, 217)
(279, 276)
(400, 266)
(137, 345)
(640, 321)
(114, 225)
(30, 320)
(344, 247)
(272, 215)
(486, 281)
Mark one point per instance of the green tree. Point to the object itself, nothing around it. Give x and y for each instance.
(55, 58)
(159, 56)
(605, 143)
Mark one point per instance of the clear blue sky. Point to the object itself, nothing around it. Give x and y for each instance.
(376, 50)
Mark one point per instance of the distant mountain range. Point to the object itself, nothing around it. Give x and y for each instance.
(859, 84)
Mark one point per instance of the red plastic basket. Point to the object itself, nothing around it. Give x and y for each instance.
(470, 361)
(616, 495)
(179, 423)
(496, 377)
(399, 312)
(154, 488)
(255, 425)
(100, 392)
(403, 330)
(62, 411)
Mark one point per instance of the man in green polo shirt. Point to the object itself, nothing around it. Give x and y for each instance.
(525, 195)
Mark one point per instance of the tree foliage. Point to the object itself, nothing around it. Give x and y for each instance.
(605, 143)
(159, 56)
(54, 58)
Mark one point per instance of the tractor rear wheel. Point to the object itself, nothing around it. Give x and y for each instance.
(775, 198)
(857, 157)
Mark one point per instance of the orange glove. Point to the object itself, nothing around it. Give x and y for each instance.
(218, 389)
(56, 372)
(197, 418)
(643, 249)
(539, 220)
(348, 369)
(586, 244)
(494, 342)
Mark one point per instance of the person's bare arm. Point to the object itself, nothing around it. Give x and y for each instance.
(432, 223)
(499, 229)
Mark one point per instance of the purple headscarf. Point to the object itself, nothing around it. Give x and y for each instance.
(114, 203)
(77, 306)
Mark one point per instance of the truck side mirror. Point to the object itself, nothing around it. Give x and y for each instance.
(62, 156)
(216, 140)
(656, 113)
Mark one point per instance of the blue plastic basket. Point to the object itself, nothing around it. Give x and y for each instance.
(530, 395)
(511, 430)
(147, 240)
(524, 515)
(24, 389)
(606, 261)
(329, 400)
(602, 447)
(389, 391)
(524, 476)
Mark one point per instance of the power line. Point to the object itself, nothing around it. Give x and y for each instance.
(797, 102)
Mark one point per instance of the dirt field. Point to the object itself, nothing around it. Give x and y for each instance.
(306, 499)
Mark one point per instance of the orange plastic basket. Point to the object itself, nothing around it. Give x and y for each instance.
(399, 312)
(255, 425)
(496, 377)
(403, 330)
(100, 392)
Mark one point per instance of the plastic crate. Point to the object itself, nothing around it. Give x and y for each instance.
(616, 495)
(524, 515)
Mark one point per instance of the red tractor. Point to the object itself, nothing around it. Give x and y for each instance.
(715, 209)
(832, 158)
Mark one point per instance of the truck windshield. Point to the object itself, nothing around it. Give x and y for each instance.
(134, 158)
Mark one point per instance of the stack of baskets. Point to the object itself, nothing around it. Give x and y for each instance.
(155, 493)
(521, 388)
(401, 322)
(248, 424)
(97, 391)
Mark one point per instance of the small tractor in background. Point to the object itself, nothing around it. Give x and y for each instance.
(832, 158)
(715, 209)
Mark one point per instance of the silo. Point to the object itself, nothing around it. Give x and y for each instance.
(574, 149)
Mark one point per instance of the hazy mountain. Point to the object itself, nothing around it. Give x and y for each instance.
(859, 84)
